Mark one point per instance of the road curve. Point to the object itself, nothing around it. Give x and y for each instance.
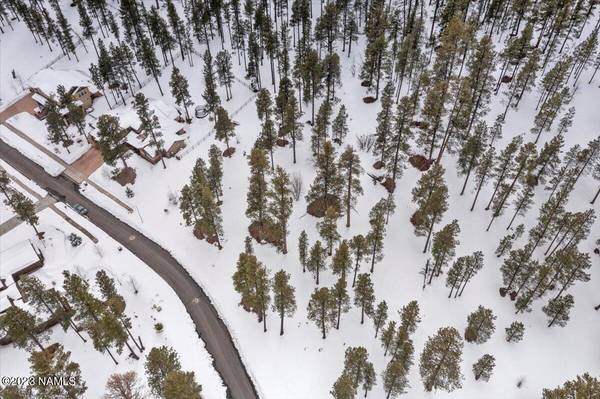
(209, 326)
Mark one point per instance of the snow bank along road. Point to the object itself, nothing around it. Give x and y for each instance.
(209, 325)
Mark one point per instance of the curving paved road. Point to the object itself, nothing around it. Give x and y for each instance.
(209, 325)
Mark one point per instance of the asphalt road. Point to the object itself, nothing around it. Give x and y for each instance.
(209, 325)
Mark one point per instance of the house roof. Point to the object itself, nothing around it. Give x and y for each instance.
(16, 258)
(49, 78)
(39, 99)
(169, 128)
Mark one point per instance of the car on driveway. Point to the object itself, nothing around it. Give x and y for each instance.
(80, 209)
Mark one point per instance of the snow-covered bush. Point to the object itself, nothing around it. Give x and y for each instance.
(74, 239)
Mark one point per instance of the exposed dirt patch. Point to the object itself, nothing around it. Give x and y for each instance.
(229, 152)
(318, 207)
(420, 162)
(369, 99)
(378, 165)
(267, 233)
(125, 176)
(420, 124)
(203, 232)
(282, 142)
(389, 184)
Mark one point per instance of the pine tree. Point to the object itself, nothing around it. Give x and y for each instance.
(483, 368)
(322, 310)
(387, 336)
(364, 297)
(431, 195)
(399, 139)
(76, 117)
(342, 260)
(581, 386)
(515, 332)
(20, 326)
(440, 361)
(224, 72)
(343, 388)
(380, 316)
(160, 362)
(284, 298)
(395, 380)
(56, 126)
(461, 272)
(267, 138)
(385, 118)
(328, 229)
(180, 91)
(443, 248)
(480, 325)
(303, 250)
(291, 125)
(264, 105)
(258, 190)
(214, 173)
(251, 280)
(321, 128)
(312, 75)
(350, 170)
(339, 292)
(111, 140)
(316, 260)
(433, 112)
(5, 185)
(24, 209)
(325, 189)
(374, 239)
(47, 301)
(280, 205)
(557, 310)
(471, 152)
(224, 126)
(503, 165)
(506, 243)
(148, 60)
(358, 247)
(210, 96)
(524, 163)
(548, 112)
(181, 385)
(339, 126)
(357, 365)
(150, 124)
(56, 364)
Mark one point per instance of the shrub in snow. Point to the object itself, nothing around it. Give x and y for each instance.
(365, 142)
(515, 332)
(158, 327)
(173, 198)
(74, 239)
(483, 368)
(129, 192)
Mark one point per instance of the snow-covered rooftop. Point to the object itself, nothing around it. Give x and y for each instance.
(168, 126)
(49, 78)
(17, 257)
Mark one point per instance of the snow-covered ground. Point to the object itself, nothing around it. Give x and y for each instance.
(52, 167)
(300, 364)
(154, 302)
